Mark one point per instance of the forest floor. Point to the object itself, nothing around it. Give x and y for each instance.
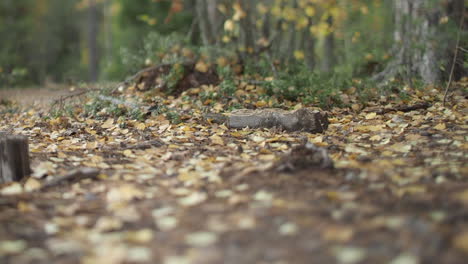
(198, 192)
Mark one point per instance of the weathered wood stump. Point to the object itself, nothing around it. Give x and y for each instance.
(303, 119)
(14, 158)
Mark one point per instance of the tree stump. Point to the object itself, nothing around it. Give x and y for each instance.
(14, 158)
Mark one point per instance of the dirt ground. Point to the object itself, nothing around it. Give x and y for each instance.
(202, 193)
(34, 95)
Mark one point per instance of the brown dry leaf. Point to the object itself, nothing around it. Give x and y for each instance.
(401, 147)
(124, 193)
(12, 189)
(202, 66)
(217, 140)
(193, 199)
(201, 239)
(460, 241)
(105, 224)
(32, 184)
(43, 169)
(338, 234)
(462, 196)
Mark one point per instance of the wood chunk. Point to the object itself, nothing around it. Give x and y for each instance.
(305, 156)
(14, 158)
(303, 119)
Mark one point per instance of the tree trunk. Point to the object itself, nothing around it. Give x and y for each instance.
(328, 61)
(248, 27)
(93, 25)
(203, 20)
(421, 48)
(309, 47)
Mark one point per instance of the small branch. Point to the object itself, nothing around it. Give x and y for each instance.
(449, 83)
(66, 97)
(403, 108)
(75, 175)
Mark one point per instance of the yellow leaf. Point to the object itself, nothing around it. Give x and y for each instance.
(262, 9)
(371, 116)
(229, 25)
(299, 54)
(260, 104)
(201, 66)
(310, 11)
(461, 241)
(140, 126)
(440, 126)
(128, 153)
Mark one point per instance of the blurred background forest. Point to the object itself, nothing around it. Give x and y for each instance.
(56, 41)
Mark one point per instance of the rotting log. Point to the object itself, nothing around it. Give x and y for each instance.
(303, 119)
(14, 158)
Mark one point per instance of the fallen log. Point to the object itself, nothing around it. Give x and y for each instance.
(303, 119)
(14, 158)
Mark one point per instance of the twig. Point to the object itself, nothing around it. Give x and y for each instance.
(66, 97)
(403, 108)
(449, 83)
(78, 174)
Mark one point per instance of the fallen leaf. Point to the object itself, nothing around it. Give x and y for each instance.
(201, 239)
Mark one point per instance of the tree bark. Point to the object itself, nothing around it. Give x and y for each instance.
(421, 48)
(93, 25)
(328, 61)
(201, 8)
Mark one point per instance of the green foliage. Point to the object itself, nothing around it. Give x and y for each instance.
(140, 30)
(157, 49)
(8, 107)
(173, 77)
(41, 40)
(228, 87)
(298, 84)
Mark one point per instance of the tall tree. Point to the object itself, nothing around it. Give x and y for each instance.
(421, 46)
(93, 46)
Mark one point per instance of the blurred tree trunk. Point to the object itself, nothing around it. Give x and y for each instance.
(203, 20)
(421, 47)
(107, 28)
(309, 47)
(328, 61)
(93, 28)
(248, 26)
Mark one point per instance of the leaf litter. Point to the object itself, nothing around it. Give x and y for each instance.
(385, 183)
